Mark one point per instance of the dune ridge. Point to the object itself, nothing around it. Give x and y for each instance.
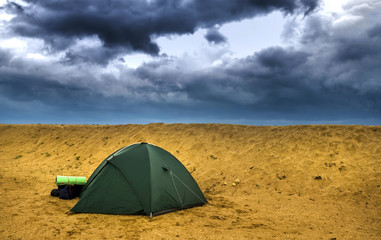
(262, 182)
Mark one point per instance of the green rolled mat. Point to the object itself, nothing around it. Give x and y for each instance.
(61, 180)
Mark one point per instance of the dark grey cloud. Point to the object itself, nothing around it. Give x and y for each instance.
(124, 26)
(93, 55)
(375, 31)
(214, 36)
(356, 50)
(23, 88)
(279, 58)
(5, 57)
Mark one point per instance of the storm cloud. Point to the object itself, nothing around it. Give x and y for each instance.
(329, 73)
(215, 37)
(126, 26)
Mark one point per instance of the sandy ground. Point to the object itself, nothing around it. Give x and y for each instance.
(292, 182)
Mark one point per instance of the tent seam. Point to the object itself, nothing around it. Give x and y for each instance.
(132, 188)
(188, 187)
(90, 182)
(181, 202)
(121, 149)
(150, 179)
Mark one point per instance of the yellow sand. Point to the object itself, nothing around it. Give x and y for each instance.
(292, 182)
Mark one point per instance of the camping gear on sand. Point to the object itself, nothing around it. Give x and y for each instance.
(67, 191)
(139, 179)
(61, 180)
(69, 187)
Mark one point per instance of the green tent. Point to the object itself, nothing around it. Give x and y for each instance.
(139, 179)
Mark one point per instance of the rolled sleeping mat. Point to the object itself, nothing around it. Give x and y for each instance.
(62, 180)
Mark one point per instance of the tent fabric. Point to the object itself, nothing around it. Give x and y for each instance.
(139, 179)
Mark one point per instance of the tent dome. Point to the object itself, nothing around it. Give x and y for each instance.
(139, 179)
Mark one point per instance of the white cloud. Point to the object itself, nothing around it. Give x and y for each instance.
(347, 21)
(134, 60)
(86, 42)
(252, 35)
(14, 43)
(244, 38)
(333, 5)
(179, 45)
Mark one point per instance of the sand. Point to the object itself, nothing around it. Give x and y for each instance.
(288, 182)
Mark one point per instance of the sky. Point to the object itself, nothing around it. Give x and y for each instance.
(275, 62)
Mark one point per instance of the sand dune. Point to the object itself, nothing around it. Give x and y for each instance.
(292, 182)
